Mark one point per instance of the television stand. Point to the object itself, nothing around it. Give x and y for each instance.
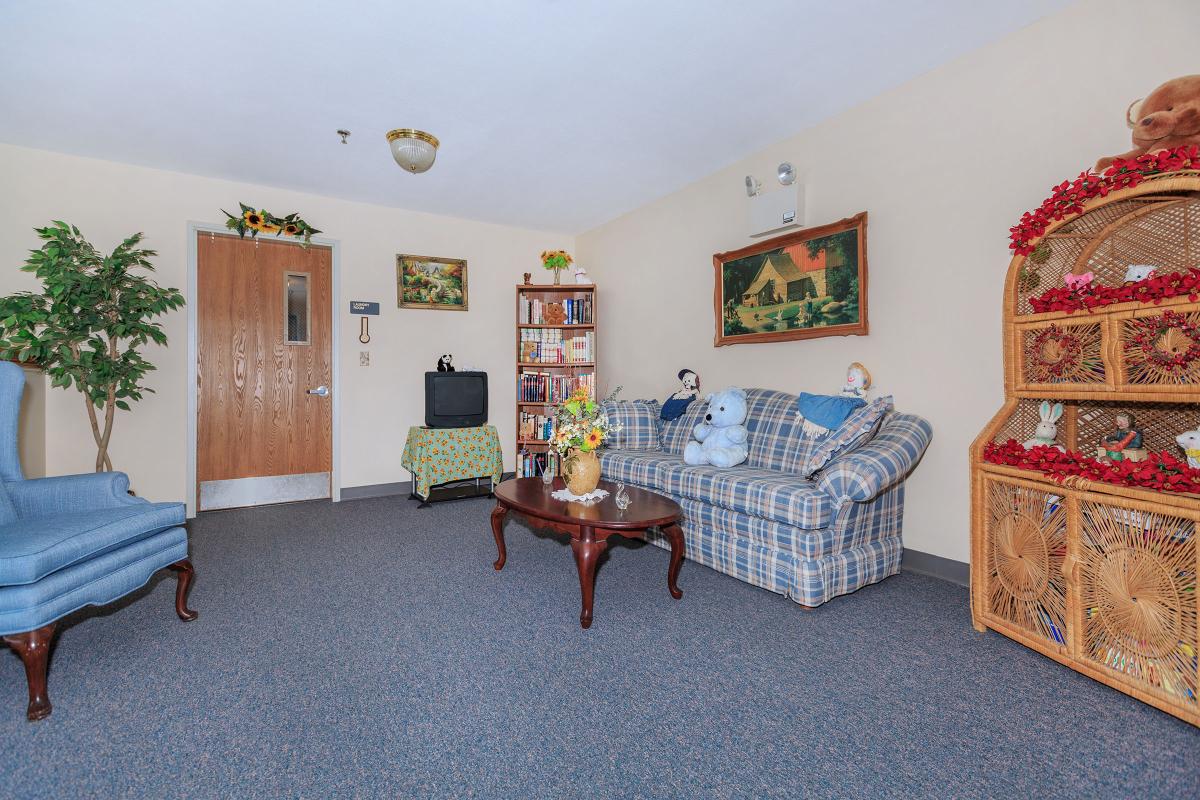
(452, 463)
(454, 490)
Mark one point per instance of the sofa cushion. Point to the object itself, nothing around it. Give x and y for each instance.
(639, 423)
(780, 496)
(856, 431)
(95, 581)
(638, 467)
(775, 438)
(32, 548)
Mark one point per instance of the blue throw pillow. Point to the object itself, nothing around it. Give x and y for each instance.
(639, 424)
(825, 413)
(857, 430)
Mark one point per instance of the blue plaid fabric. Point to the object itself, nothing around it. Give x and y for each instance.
(810, 540)
(809, 581)
(865, 472)
(775, 440)
(639, 424)
(778, 496)
(636, 467)
(858, 429)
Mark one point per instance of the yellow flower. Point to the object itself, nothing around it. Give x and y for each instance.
(253, 220)
(594, 438)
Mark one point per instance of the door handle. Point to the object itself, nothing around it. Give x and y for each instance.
(320, 391)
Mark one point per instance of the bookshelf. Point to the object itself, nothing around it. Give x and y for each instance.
(552, 360)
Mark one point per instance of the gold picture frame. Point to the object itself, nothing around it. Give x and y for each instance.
(431, 282)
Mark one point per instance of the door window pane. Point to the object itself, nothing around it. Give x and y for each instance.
(295, 304)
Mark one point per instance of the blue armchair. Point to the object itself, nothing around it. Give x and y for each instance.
(70, 542)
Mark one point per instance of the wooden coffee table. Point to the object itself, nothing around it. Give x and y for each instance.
(589, 526)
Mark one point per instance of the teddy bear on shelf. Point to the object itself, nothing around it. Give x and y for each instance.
(1168, 117)
(445, 363)
(721, 439)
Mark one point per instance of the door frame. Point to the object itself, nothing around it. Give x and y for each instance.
(194, 229)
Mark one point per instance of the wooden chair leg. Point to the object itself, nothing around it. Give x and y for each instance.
(34, 649)
(186, 573)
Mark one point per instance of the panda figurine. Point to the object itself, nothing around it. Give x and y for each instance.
(444, 364)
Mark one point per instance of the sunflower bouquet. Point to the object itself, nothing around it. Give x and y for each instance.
(580, 425)
(262, 221)
(556, 259)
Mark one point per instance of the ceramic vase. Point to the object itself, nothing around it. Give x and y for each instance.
(583, 476)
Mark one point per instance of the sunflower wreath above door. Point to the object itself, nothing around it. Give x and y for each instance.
(258, 221)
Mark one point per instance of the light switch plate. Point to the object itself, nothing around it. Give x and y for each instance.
(364, 358)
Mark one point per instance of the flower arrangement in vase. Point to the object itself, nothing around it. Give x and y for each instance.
(580, 428)
(556, 260)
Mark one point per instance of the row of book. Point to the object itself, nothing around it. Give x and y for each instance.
(535, 427)
(542, 387)
(531, 465)
(578, 311)
(547, 346)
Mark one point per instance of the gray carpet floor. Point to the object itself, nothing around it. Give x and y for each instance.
(368, 649)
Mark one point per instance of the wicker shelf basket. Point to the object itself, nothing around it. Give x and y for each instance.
(1100, 577)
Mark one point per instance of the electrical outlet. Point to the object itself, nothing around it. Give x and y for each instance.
(364, 358)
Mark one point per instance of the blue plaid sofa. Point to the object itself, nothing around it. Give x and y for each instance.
(764, 522)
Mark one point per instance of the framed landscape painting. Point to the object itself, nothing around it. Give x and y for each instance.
(430, 282)
(800, 285)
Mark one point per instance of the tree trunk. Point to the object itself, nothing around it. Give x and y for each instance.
(103, 462)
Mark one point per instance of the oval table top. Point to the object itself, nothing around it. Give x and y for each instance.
(531, 496)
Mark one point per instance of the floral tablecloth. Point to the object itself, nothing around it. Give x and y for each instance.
(440, 455)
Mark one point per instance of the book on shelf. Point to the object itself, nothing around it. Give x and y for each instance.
(532, 311)
(549, 346)
(542, 387)
(532, 465)
(535, 427)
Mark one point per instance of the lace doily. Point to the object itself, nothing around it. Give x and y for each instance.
(591, 497)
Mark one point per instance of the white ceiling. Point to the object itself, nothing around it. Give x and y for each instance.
(553, 114)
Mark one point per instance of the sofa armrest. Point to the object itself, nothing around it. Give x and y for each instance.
(865, 472)
(39, 497)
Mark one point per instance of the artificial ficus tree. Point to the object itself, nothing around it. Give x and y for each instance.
(87, 325)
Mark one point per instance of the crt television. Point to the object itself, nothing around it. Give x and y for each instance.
(456, 399)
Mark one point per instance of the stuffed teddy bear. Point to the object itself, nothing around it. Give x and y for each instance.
(1168, 117)
(721, 438)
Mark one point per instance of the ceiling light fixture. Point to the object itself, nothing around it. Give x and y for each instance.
(413, 149)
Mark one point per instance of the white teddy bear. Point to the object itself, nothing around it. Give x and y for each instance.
(721, 439)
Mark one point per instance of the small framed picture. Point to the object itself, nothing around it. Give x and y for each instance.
(431, 282)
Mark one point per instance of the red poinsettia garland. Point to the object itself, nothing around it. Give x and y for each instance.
(1161, 472)
(1069, 196)
(1151, 290)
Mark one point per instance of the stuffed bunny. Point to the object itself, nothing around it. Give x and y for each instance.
(1047, 430)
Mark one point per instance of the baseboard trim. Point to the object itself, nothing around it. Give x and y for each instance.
(386, 489)
(935, 566)
(375, 490)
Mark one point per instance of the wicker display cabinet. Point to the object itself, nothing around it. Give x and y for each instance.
(1099, 577)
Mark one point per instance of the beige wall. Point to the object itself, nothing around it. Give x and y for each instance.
(109, 201)
(944, 165)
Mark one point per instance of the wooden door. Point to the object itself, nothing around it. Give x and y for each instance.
(264, 430)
